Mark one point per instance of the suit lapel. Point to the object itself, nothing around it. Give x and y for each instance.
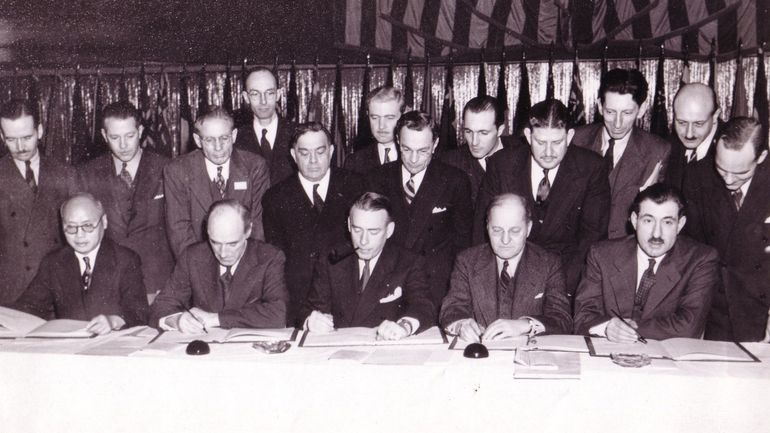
(238, 175)
(375, 289)
(562, 190)
(483, 282)
(106, 170)
(623, 280)
(755, 204)
(430, 190)
(207, 276)
(71, 281)
(103, 274)
(666, 277)
(344, 287)
(201, 184)
(629, 166)
(240, 284)
(525, 280)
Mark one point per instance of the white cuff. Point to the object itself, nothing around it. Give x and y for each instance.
(599, 330)
(165, 326)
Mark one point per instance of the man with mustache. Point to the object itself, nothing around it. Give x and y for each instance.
(655, 285)
(384, 107)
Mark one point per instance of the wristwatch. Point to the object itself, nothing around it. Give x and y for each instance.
(406, 325)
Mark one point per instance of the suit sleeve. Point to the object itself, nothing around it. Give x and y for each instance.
(457, 303)
(462, 214)
(178, 218)
(320, 295)
(417, 295)
(556, 316)
(267, 308)
(691, 190)
(176, 295)
(260, 181)
(490, 187)
(689, 318)
(589, 301)
(271, 221)
(38, 299)
(133, 297)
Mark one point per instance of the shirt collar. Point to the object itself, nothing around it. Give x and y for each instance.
(91, 258)
(513, 262)
(211, 169)
(381, 151)
(642, 260)
(703, 148)
(34, 163)
(372, 263)
(483, 161)
(323, 185)
(223, 269)
(272, 129)
(417, 178)
(132, 166)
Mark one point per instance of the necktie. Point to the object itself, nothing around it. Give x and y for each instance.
(29, 176)
(737, 198)
(86, 277)
(224, 281)
(544, 188)
(265, 145)
(409, 190)
(609, 157)
(220, 181)
(125, 176)
(318, 202)
(386, 159)
(692, 156)
(645, 284)
(504, 277)
(365, 275)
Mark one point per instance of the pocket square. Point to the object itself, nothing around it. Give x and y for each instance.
(767, 220)
(439, 209)
(158, 197)
(539, 295)
(392, 297)
(239, 186)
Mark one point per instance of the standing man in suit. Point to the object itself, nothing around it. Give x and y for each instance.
(634, 157)
(431, 200)
(268, 135)
(483, 125)
(379, 285)
(231, 281)
(508, 287)
(305, 214)
(696, 123)
(566, 186)
(731, 212)
(384, 107)
(661, 283)
(129, 183)
(32, 187)
(215, 171)
(92, 278)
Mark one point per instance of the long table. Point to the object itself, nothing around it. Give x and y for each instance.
(237, 389)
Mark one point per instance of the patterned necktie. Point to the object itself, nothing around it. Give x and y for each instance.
(265, 145)
(504, 277)
(409, 190)
(692, 157)
(224, 280)
(645, 284)
(220, 181)
(544, 188)
(86, 277)
(318, 202)
(737, 198)
(386, 159)
(365, 274)
(29, 176)
(125, 176)
(609, 156)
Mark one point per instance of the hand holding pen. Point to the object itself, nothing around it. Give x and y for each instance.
(620, 330)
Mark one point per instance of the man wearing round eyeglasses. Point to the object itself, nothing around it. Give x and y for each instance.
(267, 134)
(92, 279)
(32, 187)
(216, 171)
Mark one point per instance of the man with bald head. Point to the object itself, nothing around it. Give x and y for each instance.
(696, 122)
(268, 135)
(92, 278)
(507, 287)
(229, 281)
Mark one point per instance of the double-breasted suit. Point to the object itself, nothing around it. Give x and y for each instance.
(280, 163)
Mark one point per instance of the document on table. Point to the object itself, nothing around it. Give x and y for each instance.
(368, 337)
(535, 364)
(235, 335)
(389, 356)
(559, 343)
(677, 349)
(18, 324)
(504, 344)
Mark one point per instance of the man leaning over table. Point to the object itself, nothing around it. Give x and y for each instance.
(508, 287)
(660, 283)
(377, 284)
(229, 281)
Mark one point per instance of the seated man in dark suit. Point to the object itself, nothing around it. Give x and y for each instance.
(379, 284)
(91, 279)
(660, 283)
(305, 214)
(215, 171)
(231, 281)
(634, 157)
(384, 106)
(431, 200)
(268, 135)
(129, 182)
(509, 287)
(565, 185)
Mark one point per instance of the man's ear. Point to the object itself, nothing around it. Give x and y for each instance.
(234, 134)
(643, 109)
(500, 130)
(681, 223)
(104, 134)
(389, 229)
(39, 131)
(715, 116)
(435, 144)
(634, 218)
(104, 221)
(599, 105)
(528, 135)
(248, 231)
(529, 228)
(197, 139)
(245, 96)
(293, 154)
(762, 156)
(570, 135)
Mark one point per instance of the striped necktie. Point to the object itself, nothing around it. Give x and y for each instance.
(409, 190)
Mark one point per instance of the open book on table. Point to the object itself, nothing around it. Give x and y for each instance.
(17, 324)
(234, 335)
(551, 343)
(368, 337)
(677, 349)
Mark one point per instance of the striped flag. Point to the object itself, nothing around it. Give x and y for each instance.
(146, 109)
(598, 118)
(390, 79)
(162, 132)
(447, 129)
(338, 118)
(292, 99)
(713, 66)
(502, 92)
(185, 116)
(243, 116)
(203, 90)
(314, 105)
(740, 105)
(409, 85)
(227, 91)
(550, 90)
(81, 150)
(427, 105)
(760, 92)
(96, 130)
(659, 120)
(524, 102)
(575, 106)
(364, 133)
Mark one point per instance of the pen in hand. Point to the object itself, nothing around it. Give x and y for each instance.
(196, 319)
(640, 338)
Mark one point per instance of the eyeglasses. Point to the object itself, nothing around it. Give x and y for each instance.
(223, 140)
(87, 227)
(256, 94)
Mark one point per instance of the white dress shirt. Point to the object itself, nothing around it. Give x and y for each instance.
(323, 185)
(34, 164)
(391, 153)
(272, 130)
(703, 148)
(536, 175)
(211, 169)
(617, 149)
(483, 161)
(417, 179)
(132, 166)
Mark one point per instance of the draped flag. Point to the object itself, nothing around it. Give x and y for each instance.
(575, 106)
(364, 134)
(96, 130)
(81, 135)
(685, 78)
(502, 92)
(162, 126)
(550, 90)
(447, 130)
(740, 99)
(203, 91)
(713, 66)
(243, 116)
(227, 91)
(338, 118)
(123, 89)
(760, 92)
(56, 130)
(33, 94)
(598, 118)
(314, 105)
(146, 109)
(524, 102)
(292, 99)
(390, 79)
(279, 101)
(409, 85)
(481, 90)
(185, 116)
(426, 104)
(659, 120)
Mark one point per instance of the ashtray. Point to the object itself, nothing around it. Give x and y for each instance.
(272, 346)
(634, 360)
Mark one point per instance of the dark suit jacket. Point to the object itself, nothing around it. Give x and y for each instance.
(678, 303)
(281, 164)
(677, 167)
(116, 287)
(295, 227)
(189, 196)
(577, 210)
(539, 289)
(437, 225)
(741, 304)
(29, 225)
(335, 290)
(257, 297)
(643, 151)
(365, 160)
(143, 227)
